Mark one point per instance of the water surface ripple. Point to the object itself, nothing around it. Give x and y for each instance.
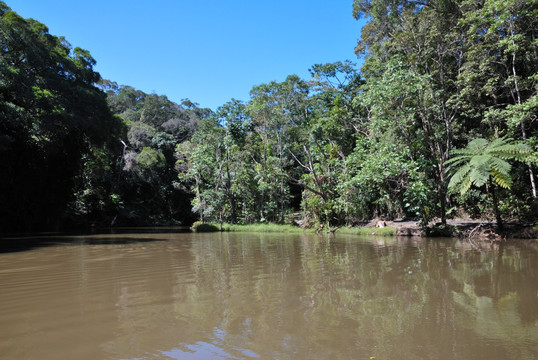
(267, 296)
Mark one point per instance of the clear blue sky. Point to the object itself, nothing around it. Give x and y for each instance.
(208, 51)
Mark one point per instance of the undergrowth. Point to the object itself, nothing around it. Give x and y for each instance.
(286, 228)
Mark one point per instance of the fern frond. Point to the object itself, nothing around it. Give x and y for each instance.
(498, 142)
(458, 176)
(477, 145)
(516, 151)
(466, 185)
(455, 162)
(483, 159)
(461, 152)
(502, 179)
(479, 175)
(500, 165)
(480, 160)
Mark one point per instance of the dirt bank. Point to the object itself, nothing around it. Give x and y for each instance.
(486, 230)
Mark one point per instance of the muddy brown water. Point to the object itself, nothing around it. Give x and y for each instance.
(266, 296)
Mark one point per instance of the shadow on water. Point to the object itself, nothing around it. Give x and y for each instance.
(114, 236)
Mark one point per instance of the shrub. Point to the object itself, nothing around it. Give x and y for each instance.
(201, 227)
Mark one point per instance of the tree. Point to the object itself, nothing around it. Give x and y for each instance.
(206, 168)
(279, 111)
(499, 76)
(329, 137)
(148, 186)
(426, 39)
(52, 118)
(483, 163)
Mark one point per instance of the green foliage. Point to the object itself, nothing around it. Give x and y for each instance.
(339, 147)
(200, 227)
(261, 228)
(148, 185)
(148, 158)
(56, 128)
(140, 134)
(482, 161)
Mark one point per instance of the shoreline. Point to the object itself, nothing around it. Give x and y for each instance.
(455, 228)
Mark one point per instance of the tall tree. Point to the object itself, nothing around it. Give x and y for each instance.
(51, 116)
(499, 78)
(148, 190)
(278, 110)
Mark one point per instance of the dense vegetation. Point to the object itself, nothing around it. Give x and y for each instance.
(440, 121)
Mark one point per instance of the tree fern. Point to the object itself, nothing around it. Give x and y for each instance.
(482, 161)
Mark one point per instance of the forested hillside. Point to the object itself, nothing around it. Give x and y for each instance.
(54, 124)
(147, 188)
(439, 121)
(77, 150)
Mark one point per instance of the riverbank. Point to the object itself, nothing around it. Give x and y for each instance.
(466, 228)
(286, 228)
(462, 228)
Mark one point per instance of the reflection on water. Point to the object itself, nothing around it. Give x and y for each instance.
(269, 296)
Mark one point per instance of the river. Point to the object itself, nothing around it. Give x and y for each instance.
(171, 295)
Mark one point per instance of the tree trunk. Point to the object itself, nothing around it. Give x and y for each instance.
(518, 101)
(229, 191)
(441, 188)
(496, 207)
